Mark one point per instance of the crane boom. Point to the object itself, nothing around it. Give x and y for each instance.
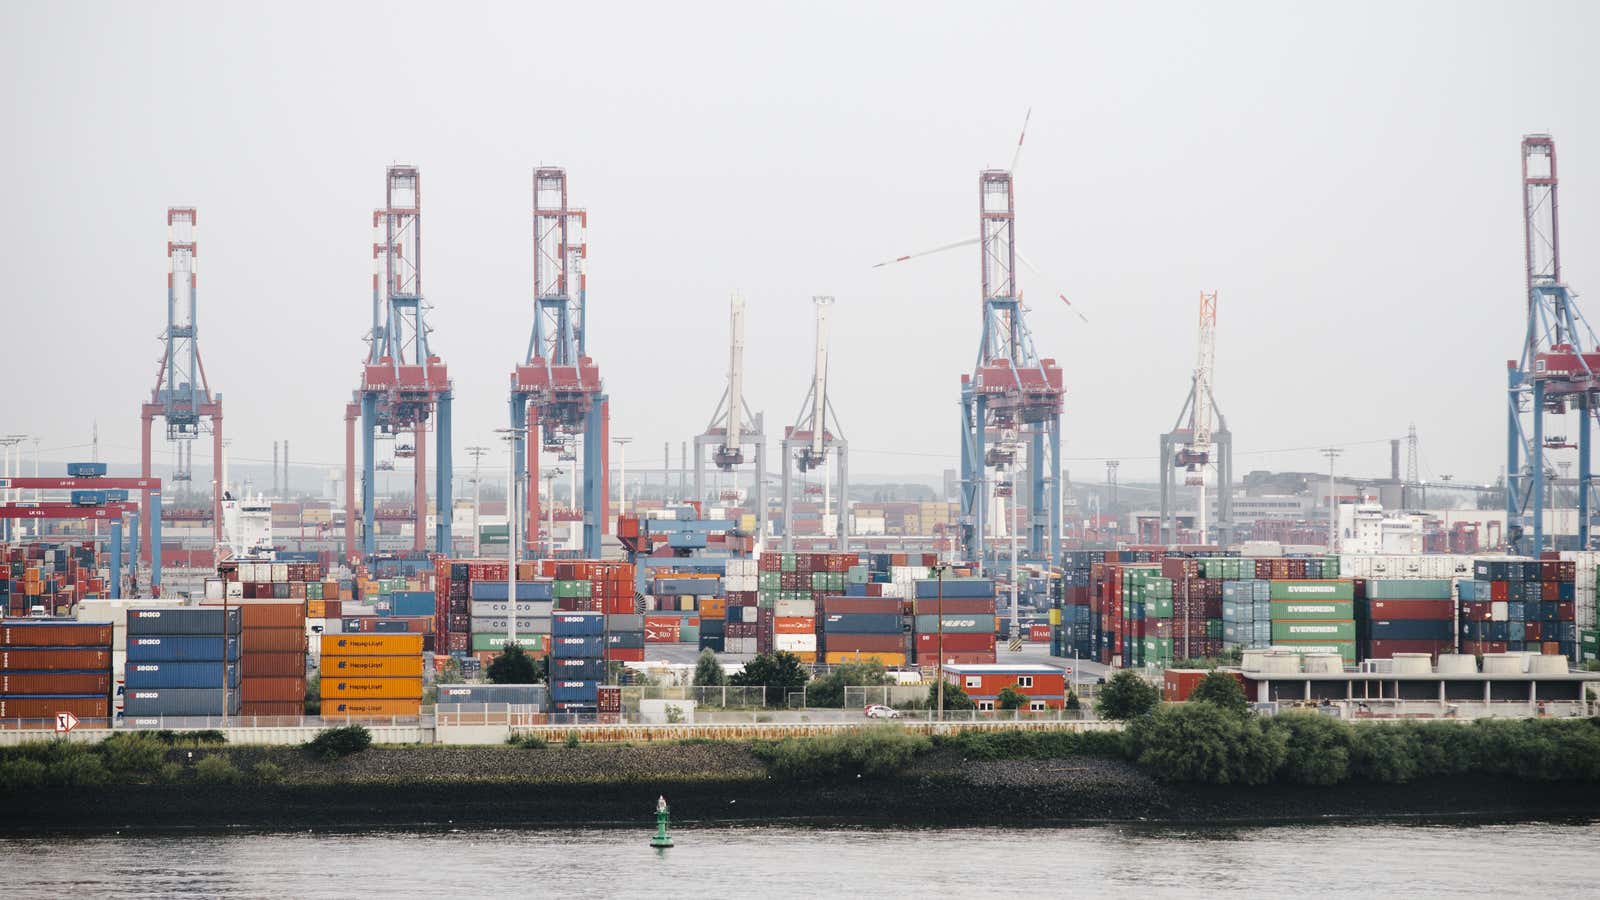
(819, 384)
(1202, 371)
(735, 374)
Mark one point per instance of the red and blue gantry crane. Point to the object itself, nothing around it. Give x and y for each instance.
(557, 398)
(405, 388)
(1557, 370)
(181, 397)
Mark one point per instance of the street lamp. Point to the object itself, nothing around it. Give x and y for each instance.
(510, 436)
(937, 571)
(622, 478)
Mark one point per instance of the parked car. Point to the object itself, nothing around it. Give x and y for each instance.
(879, 711)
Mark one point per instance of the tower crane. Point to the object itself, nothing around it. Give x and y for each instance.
(733, 426)
(557, 397)
(1557, 369)
(181, 397)
(1190, 443)
(806, 443)
(405, 388)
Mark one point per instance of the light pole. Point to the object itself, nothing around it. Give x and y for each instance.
(938, 573)
(477, 501)
(622, 478)
(550, 505)
(1331, 453)
(509, 435)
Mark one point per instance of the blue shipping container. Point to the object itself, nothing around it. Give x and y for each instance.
(861, 623)
(411, 603)
(568, 669)
(579, 646)
(499, 590)
(955, 588)
(177, 702)
(86, 470)
(577, 623)
(174, 620)
(180, 648)
(149, 674)
(574, 690)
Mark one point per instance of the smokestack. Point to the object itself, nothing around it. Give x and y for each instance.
(286, 470)
(1394, 460)
(683, 471)
(666, 469)
(274, 468)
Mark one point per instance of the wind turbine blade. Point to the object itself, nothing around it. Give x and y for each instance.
(1049, 283)
(898, 259)
(1017, 155)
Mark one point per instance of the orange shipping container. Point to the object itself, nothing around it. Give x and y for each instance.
(270, 708)
(55, 683)
(844, 656)
(53, 660)
(316, 609)
(273, 615)
(273, 640)
(276, 690)
(372, 666)
(47, 707)
(713, 608)
(371, 644)
(357, 709)
(794, 625)
(372, 688)
(55, 635)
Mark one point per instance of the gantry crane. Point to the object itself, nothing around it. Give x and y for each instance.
(1012, 395)
(1190, 443)
(733, 426)
(1557, 368)
(405, 388)
(806, 443)
(557, 397)
(182, 397)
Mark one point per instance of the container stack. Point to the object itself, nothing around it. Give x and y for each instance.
(967, 617)
(861, 628)
(742, 624)
(272, 665)
(625, 634)
(50, 666)
(714, 618)
(1197, 603)
(1246, 614)
(577, 648)
(1405, 615)
(1073, 628)
(371, 675)
(1314, 616)
(52, 576)
(182, 661)
(794, 627)
(472, 612)
(1519, 605)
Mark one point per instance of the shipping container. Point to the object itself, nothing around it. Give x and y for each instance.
(1303, 630)
(1312, 609)
(179, 674)
(888, 658)
(177, 702)
(513, 694)
(20, 683)
(1313, 590)
(184, 620)
(371, 644)
(365, 708)
(94, 706)
(371, 688)
(273, 640)
(42, 659)
(273, 690)
(372, 666)
(181, 648)
(956, 624)
(54, 633)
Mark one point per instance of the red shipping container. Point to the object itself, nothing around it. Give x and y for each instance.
(1039, 634)
(1387, 649)
(43, 659)
(12, 635)
(870, 643)
(954, 606)
(1412, 609)
(272, 640)
(1565, 612)
(55, 683)
(270, 708)
(48, 707)
(964, 659)
(953, 643)
(625, 654)
(282, 665)
(1499, 590)
(276, 690)
(834, 605)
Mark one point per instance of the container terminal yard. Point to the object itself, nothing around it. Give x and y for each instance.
(374, 594)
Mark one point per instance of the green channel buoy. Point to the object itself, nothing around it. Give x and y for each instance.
(661, 840)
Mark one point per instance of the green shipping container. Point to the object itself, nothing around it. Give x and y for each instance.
(1346, 649)
(956, 624)
(538, 643)
(857, 575)
(787, 563)
(1410, 589)
(689, 634)
(565, 589)
(313, 590)
(769, 581)
(1313, 590)
(1158, 608)
(1330, 567)
(1588, 645)
(1287, 610)
(1313, 631)
(1155, 650)
(819, 581)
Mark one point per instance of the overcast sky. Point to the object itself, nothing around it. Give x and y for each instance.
(1346, 175)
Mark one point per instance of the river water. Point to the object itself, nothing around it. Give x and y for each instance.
(1344, 860)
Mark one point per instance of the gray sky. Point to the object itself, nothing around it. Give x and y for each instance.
(1346, 175)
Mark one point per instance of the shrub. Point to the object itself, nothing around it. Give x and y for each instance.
(1126, 696)
(78, 770)
(512, 666)
(572, 740)
(171, 773)
(1222, 690)
(531, 742)
(828, 691)
(780, 673)
(133, 753)
(209, 736)
(1072, 701)
(1020, 744)
(869, 752)
(1201, 742)
(1317, 748)
(339, 742)
(1011, 698)
(267, 772)
(955, 697)
(21, 775)
(216, 768)
(708, 672)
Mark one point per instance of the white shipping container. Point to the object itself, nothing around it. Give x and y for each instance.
(213, 588)
(795, 609)
(280, 571)
(748, 614)
(1499, 611)
(235, 590)
(795, 643)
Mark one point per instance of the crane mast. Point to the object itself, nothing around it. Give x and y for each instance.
(730, 450)
(819, 376)
(814, 436)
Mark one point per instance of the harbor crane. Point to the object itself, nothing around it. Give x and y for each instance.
(1195, 446)
(1556, 371)
(405, 388)
(182, 396)
(808, 442)
(733, 427)
(557, 398)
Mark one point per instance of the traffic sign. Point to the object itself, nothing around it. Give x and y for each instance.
(65, 722)
(1069, 670)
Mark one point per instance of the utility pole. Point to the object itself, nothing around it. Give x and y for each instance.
(1332, 453)
(477, 502)
(510, 437)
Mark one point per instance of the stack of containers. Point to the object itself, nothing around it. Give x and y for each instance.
(182, 661)
(577, 661)
(742, 624)
(53, 576)
(50, 666)
(1246, 614)
(371, 675)
(1586, 566)
(1072, 631)
(1405, 615)
(861, 628)
(1519, 605)
(1311, 616)
(794, 627)
(966, 615)
(272, 665)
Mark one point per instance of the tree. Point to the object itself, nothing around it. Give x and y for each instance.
(513, 666)
(1318, 748)
(1072, 700)
(1011, 698)
(708, 672)
(1126, 696)
(451, 673)
(955, 697)
(780, 673)
(1203, 743)
(828, 691)
(1222, 690)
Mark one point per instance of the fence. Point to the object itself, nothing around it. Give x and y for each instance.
(704, 697)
